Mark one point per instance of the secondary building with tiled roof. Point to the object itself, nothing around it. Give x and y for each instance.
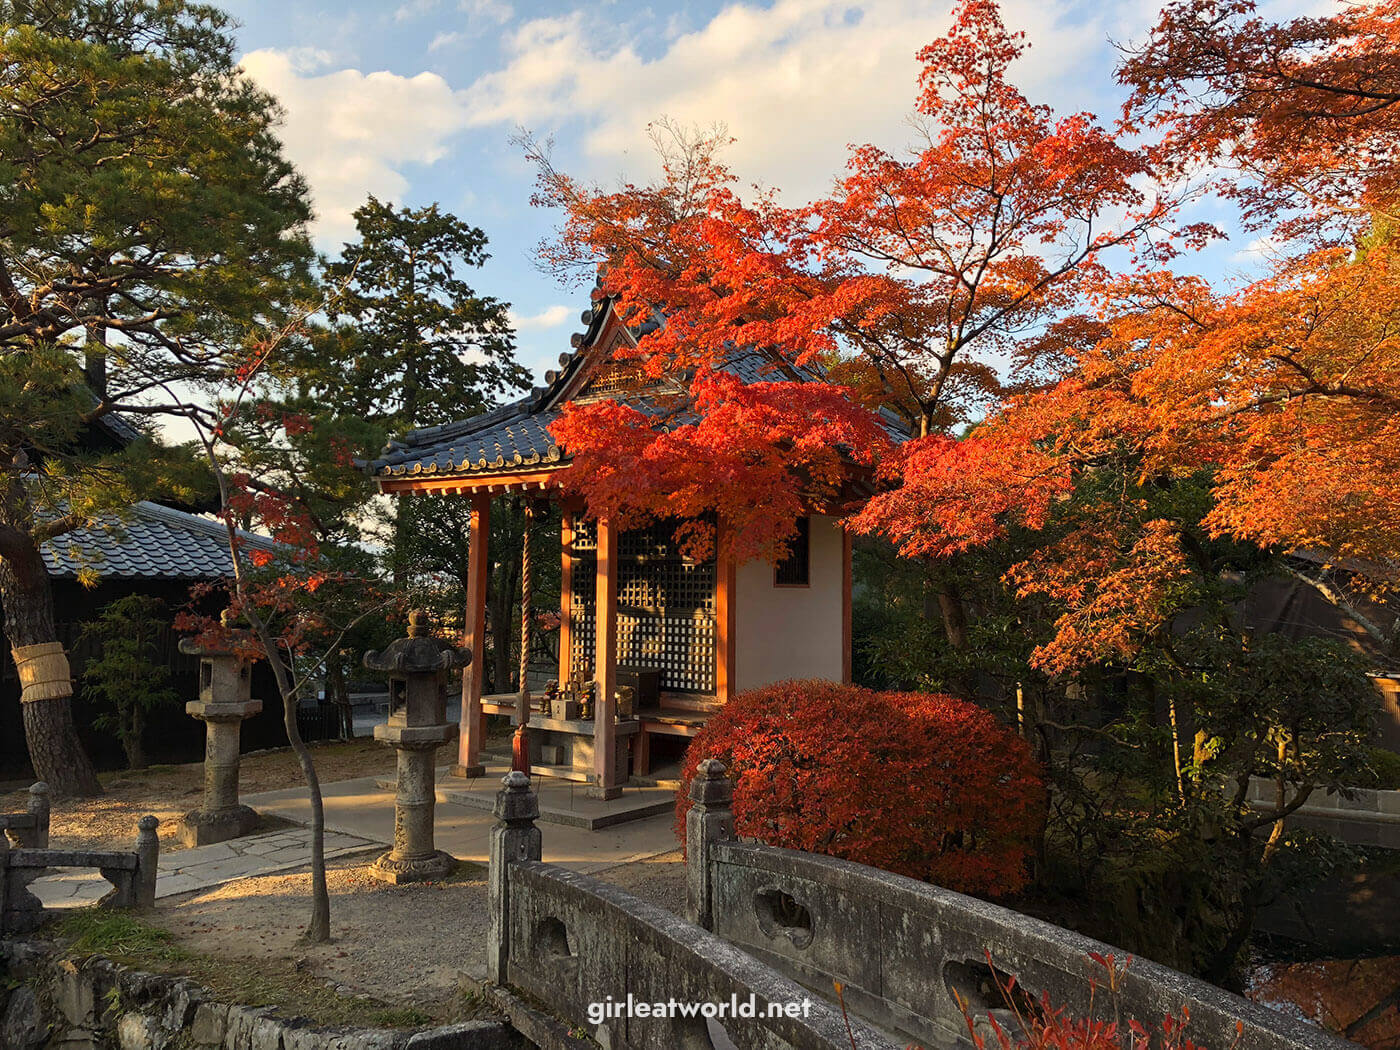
(152, 542)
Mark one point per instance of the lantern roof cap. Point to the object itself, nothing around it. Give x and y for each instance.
(419, 653)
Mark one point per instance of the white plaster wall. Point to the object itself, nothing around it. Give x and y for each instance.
(790, 632)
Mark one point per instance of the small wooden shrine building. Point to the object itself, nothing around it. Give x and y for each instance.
(684, 635)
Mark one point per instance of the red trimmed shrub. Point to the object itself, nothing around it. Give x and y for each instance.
(925, 785)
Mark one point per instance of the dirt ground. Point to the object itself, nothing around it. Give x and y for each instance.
(408, 945)
(169, 792)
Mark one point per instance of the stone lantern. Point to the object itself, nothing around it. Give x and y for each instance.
(225, 700)
(417, 667)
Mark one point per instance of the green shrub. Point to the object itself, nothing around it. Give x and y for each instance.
(1385, 765)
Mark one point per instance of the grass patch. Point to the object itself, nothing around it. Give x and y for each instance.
(401, 1017)
(118, 935)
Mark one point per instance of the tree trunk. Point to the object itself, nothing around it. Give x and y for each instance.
(950, 604)
(502, 605)
(338, 693)
(27, 595)
(318, 930)
(134, 742)
(943, 599)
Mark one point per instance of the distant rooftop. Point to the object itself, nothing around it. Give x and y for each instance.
(153, 543)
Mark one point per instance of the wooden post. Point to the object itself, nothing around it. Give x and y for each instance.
(725, 639)
(566, 597)
(846, 654)
(472, 722)
(604, 784)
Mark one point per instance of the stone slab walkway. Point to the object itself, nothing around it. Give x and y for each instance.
(364, 809)
(582, 833)
(203, 867)
(561, 801)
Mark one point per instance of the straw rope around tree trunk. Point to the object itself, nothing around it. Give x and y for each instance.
(44, 673)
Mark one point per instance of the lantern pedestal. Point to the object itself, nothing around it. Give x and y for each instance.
(417, 667)
(221, 817)
(414, 858)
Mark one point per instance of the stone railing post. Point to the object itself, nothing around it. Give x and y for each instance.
(39, 809)
(710, 820)
(147, 862)
(514, 838)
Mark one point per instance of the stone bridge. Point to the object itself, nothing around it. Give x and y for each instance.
(774, 931)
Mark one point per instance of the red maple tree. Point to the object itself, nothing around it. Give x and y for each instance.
(908, 281)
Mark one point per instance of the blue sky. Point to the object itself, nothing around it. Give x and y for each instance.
(416, 101)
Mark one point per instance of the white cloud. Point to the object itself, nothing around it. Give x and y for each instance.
(795, 82)
(412, 9)
(353, 133)
(549, 317)
(442, 40)
(497, 11)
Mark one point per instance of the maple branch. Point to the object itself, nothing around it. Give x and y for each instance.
(1316, 390)
(1336, 598)
(1281, 812)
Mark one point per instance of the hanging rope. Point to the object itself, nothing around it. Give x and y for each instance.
(527, 588)
(520, 747)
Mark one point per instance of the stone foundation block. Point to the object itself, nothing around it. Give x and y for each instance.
(136, 1031)
(209, 1024)
(399, 872)
(199, 828)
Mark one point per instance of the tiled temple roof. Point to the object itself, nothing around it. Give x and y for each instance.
(506, 438)
(154, 542)
(516, 436)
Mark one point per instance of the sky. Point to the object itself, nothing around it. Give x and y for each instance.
(418, 101)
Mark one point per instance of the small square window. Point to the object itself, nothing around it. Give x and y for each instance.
(796, 570)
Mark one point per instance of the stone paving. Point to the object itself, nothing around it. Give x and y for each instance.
(561, 801)
(364, 809)
(580, 833)
(203, 867)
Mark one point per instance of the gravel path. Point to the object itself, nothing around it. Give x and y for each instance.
(410, 945)
(404, 944)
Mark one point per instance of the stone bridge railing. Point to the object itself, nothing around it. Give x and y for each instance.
(132, 874)
(30, 829)
(905, 951)
(782, 925)
(572, 943)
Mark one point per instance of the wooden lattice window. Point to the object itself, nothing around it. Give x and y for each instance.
(666, 608)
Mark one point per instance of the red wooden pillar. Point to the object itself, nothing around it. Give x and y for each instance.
(473, 722)
(566, 597)
(725, 641)
(605, 781)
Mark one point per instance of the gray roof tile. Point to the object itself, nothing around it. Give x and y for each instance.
(516, 435)
(154, 542)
